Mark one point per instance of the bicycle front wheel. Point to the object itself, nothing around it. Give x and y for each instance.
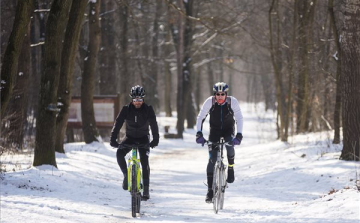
(223, 186)
(134, 194)
(216, 188)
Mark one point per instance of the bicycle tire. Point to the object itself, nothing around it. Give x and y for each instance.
(223, 187)
(134, 194)
(216, 188)
(220, 188)
(138, 197)
(139, 188)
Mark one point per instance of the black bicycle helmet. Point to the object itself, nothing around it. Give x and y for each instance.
(137, 92)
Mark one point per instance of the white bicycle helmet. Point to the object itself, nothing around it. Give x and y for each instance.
(220, 87)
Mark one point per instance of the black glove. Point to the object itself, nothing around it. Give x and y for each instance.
(154, 142)
(239, 136)
(114, 144)
(199, 134)
(200, 138)
(237, 139)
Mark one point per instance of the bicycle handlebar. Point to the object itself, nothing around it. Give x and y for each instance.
(121, 146)
(228, 143)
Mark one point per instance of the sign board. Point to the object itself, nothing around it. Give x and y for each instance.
(106, 109)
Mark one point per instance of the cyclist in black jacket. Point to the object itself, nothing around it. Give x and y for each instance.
(138, 116)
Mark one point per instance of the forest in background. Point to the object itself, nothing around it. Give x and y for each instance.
(299, 57)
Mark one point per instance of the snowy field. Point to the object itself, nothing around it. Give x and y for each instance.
(299, 181)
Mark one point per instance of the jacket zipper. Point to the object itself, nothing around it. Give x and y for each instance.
(221, 118)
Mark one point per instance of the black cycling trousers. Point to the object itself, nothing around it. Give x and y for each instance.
(144, 153)
(213, 156)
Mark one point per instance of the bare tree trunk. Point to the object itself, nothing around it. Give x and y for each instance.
(338, 72)
(303, 86)
(167, 90)
(90, 131)
(188, 96)
(35, 72)
(138, 50)
(7, 17)
(178, 37)
(306, 15)
(67, 68)
(325, 63)
(288, 116)
(350, 57)
(221, 63)
(265, 82)
(151, 83)
(124, 78)
(107, 54)
(210, 75)
(18, 104)
(276, 61)
(198, 89)
(167, 72)
(46, 120)
(9, 67)
(37, 53)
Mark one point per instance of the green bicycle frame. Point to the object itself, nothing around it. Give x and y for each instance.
(134, 161)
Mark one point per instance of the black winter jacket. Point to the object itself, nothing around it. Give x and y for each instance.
(137, 122)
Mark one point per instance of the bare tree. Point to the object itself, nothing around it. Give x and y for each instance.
(182, 33)
(108, 53)
(46, 119)
(306, 11)
(338, 72)
(9, 67)
(277, 61)
(350, 57)
(167, 72)
(151, 83)
(124, 56)
(178, 37)
(67, 68)
(188, 96)
(90, 130)
(18, 106)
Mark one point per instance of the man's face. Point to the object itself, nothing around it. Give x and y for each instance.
(220, 97)
(137, 102)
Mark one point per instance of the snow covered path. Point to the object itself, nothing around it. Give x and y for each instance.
(275, 182)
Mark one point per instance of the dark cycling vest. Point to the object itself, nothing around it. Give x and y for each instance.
(221, 117)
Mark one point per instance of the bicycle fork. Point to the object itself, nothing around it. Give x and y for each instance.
(139, 183)
(223, 170)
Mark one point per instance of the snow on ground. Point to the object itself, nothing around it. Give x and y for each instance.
(299, 181)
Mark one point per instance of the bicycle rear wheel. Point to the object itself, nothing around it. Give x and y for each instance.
(216, 188)
(134, 194)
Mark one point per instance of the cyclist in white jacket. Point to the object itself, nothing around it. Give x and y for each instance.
(224, 112)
